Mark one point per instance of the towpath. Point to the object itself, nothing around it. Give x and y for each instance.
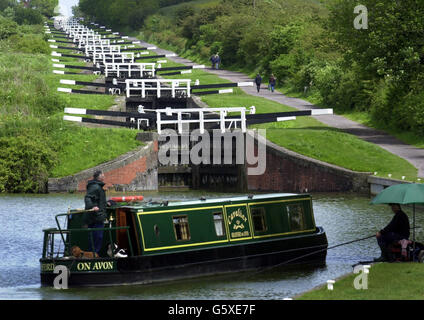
(410, 153)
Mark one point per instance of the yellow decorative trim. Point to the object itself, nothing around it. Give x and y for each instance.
(278, 201)
(284, 233)
(224, 210)
(185, 245)
(181, 245)
(178, 210)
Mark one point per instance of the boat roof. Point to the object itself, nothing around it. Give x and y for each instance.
(220, 200)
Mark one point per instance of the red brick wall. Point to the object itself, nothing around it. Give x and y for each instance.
(122, 175)
(125, 175)
(286, 172)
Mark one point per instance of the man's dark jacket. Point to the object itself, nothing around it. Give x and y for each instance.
(399, 225)
(258, 80)
(95, 197)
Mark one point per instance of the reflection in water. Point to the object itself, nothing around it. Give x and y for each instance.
(345, 217)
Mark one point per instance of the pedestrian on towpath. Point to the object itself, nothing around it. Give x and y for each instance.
(212, 60)
(272, 82)
(217, 61)
(258, 81)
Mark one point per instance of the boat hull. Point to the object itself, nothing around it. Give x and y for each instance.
(307, 249)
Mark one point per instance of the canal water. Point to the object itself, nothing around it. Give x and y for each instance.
(345, 217)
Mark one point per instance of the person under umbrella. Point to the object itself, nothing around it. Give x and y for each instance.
(397, 229)
(404, 193)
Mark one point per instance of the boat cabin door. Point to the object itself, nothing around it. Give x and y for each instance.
(125, 218)
(238, 222)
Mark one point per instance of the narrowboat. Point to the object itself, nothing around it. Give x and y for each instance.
(147, 242)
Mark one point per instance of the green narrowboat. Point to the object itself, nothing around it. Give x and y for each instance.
(177, 240)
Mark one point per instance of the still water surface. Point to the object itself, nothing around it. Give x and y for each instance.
(345, 217)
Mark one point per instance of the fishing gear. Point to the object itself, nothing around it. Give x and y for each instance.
(318, 251)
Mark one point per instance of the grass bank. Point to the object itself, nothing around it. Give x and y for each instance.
(386, 281)
(361, 117)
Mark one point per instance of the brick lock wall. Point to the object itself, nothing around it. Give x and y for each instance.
(134, 171)
(287, 171)
(121, 176)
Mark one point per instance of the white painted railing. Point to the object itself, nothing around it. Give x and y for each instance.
(130, 69)
(101, 42)
(127, 57)
(224, 123)
(140, 87)
(93, 49)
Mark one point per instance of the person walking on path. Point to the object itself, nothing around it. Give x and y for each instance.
(217, 61)
(258, 81)
(272, 82)
(212, 60)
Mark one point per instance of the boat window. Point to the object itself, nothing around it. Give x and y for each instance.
(296, 217)
(258, 216)
(181, 229)
(218, 220)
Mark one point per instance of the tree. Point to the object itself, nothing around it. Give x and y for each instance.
(45, 7)
(393, 43)
(7, 3)
(388, 56)
(27, 16)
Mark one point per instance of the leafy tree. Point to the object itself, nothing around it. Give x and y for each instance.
(27, 16)
(45, 7)
(392, 46)
(183, 13)
(388, 55)
(119, 13)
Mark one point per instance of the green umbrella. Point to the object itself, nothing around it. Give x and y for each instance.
(404, 193)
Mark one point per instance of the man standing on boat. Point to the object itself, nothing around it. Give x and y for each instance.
(95, 201)
(397, 229)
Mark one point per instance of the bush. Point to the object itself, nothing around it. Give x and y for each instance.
(305, 76)
(411, 111)
(25, 162)
(8, 28)
(282, 67)
(382, 103)
(402, 112)
(339, 88)
(29, 43)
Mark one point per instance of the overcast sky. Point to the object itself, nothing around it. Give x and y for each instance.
(66, 5)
